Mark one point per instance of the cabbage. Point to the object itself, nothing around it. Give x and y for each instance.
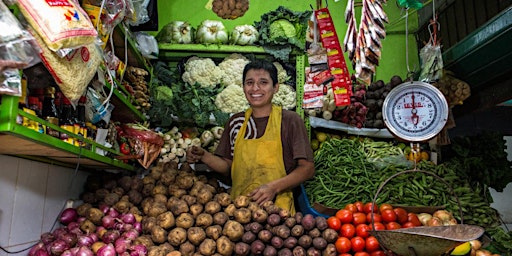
(282, 28)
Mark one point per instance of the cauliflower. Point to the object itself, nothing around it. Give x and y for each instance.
(233, 67)
(282, 75)
(203, 71)
(231, 99)
(285, 97)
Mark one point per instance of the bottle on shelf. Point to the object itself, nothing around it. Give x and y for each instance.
(80, 127)
(50, 111)
(67, 120)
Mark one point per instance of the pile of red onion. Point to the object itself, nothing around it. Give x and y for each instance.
(114, 237)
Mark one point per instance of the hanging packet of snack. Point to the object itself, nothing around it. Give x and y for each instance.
(60, 23)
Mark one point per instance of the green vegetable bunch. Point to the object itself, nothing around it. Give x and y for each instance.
(283, 31)
(175, 100)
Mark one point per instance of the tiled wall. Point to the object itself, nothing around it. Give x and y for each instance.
(31, 196)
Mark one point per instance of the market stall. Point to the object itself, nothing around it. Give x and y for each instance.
(122, 105)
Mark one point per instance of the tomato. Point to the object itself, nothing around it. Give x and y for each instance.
(388, 215)
(359, 206)
(348, 230)
(124, 148)
(361, 254)
(351, 207)
(358, 218)
(412, 217)
(372, 244)
(362, 230)
(385, 206)
(358, 244)
(344, 215)
(378, 253)
(334, 223)
(376, 218)
(343, 245)
(344, 254)
(401, 215)
(408, 225)
(368, 208)
(378, 226)
(393, 225)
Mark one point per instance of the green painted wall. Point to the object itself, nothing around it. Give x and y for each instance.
(393, 61)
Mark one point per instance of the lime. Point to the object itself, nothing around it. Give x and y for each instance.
(462, 249)
(321, 136)
(315, 144)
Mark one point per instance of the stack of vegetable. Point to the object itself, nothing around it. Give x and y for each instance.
(230, 9)
(139, 86)
(454, 89)
(374, 98)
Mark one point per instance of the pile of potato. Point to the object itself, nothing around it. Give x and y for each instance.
(182, 213)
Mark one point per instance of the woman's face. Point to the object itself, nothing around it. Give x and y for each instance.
(259, 88)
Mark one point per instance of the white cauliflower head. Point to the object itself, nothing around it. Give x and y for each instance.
(233, 68)
(282, 76)
(203, 71)
(285, 97)
(232, 99)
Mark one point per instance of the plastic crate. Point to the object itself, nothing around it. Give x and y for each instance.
(305, 206)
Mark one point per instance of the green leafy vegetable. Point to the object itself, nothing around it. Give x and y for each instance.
(283, 31)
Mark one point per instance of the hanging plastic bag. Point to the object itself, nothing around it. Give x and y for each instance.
(431, 63)
(140, 8)
(147, 45)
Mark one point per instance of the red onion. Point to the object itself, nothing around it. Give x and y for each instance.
(138, 250)
(68, 215)
(128, 218)
(57, 247)
(72, 225)
(84, 251)
(110, 236)
(108, 221)
(137, 226)
(80, 219)
(35, 248)
(122, 244)
(47, 238)
(131, 234)
(94, 237)
(106, 250)
(58, 232)
(127, 227)
(68, 253)
(84, 240)
(41, 252)
(104, 208)
(112, 212)
(69, 238)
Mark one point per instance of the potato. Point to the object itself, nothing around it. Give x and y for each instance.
(204, 196)
(308, 222)
(290, 222)
(257, 247)
(242, 215)
(156, 172)
(233, 230)
(160, 198)
(198, 185)
(242, 249)
(147, 190)
(122, 206)
(177, 236)
(196, 209)
(330, 250)
(277, 242)
(253, 206)
(265, 235)
(214, 232)
(148, 180)
(330, 235)
(158, 234)
(166, 220)
(298, 217)
(204, 220)
(111, 198)
(321, 223)
(225, 246)
(230, 210)
(212, 207)
(82, 209)
(260, 215)
(284, 252)
(168, 178)
(299, 251)
(270, 251)
(177, 206)
(134, 196)
(156, 209)
(274, 219)
(148, 223)
(190, 200)
(305, 241)
(319, 243)
(101, 193)
(196, 235)
(144, 240)
(94, 215)
(312, 251)
(248, 237)
(185, 220)
(282, 231)
(159, 189)
(87, 226)
(220, 218)
(254, 227)
(176, 191)
(224, 199)
(315, 233)
(241, 201)
(290, 242)
(208, 247)
(187, 248)
(184, 181)
(297, 230)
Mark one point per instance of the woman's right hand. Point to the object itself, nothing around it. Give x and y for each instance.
(194, 154)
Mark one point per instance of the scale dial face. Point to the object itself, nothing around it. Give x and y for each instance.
(415, 111)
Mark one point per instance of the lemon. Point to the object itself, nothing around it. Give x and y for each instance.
(462, 249)
(321, 136)
(315, 144)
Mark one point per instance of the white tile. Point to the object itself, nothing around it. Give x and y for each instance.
(29, 202)
(8, 176)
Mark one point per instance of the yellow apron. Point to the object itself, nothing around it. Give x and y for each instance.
(260, 161)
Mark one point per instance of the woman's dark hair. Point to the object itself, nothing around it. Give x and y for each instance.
(264, 65)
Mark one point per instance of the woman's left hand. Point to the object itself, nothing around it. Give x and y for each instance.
(262, 194)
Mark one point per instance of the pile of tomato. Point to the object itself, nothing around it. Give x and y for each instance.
(354, 223)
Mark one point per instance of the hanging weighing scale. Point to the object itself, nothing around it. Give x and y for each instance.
(415, 111)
